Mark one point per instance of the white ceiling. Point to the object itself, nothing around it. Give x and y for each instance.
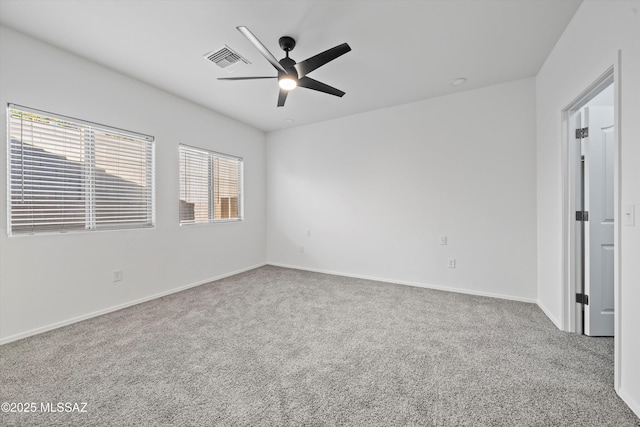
(402, 51)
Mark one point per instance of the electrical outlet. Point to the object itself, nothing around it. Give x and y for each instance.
(451, 263)
(117, 275)
(443, 240)
(308, 232)
(301, 249)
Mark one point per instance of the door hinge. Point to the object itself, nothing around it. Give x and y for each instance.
(582, 216)
(582, 133)
(582, 299)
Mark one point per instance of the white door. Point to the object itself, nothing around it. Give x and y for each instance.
(598, 201)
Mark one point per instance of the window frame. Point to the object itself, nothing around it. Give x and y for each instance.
(89, 181)
(212, 156)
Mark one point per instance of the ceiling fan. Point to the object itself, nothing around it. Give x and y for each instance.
(292, 74)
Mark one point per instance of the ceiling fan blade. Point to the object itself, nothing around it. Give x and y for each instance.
(308, 65)
(310, 83)
(282, 96)
(263, 50)
(246, 78)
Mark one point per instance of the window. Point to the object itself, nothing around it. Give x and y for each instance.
(210, 186)
(70, 175)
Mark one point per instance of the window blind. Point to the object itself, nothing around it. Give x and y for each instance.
(210, 186)
(67, 174)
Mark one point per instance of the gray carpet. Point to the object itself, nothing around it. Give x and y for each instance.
(280, 347)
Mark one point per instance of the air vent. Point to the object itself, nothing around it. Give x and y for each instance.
(227, 59)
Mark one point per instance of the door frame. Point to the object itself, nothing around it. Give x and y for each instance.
(569, 246)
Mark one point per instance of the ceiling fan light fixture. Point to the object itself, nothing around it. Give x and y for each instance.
(292, 74)
(287, 83)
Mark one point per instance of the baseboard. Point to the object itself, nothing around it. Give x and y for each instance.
(407, 283)
(60, 324)
(631, 403)
(551, 317)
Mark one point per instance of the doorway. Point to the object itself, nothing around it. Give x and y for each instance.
(590, 142)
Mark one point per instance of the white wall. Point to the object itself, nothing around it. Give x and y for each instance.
(48, 280)
(378, 189)
(588, 47)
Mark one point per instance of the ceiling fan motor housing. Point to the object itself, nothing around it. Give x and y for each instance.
(288, 64)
